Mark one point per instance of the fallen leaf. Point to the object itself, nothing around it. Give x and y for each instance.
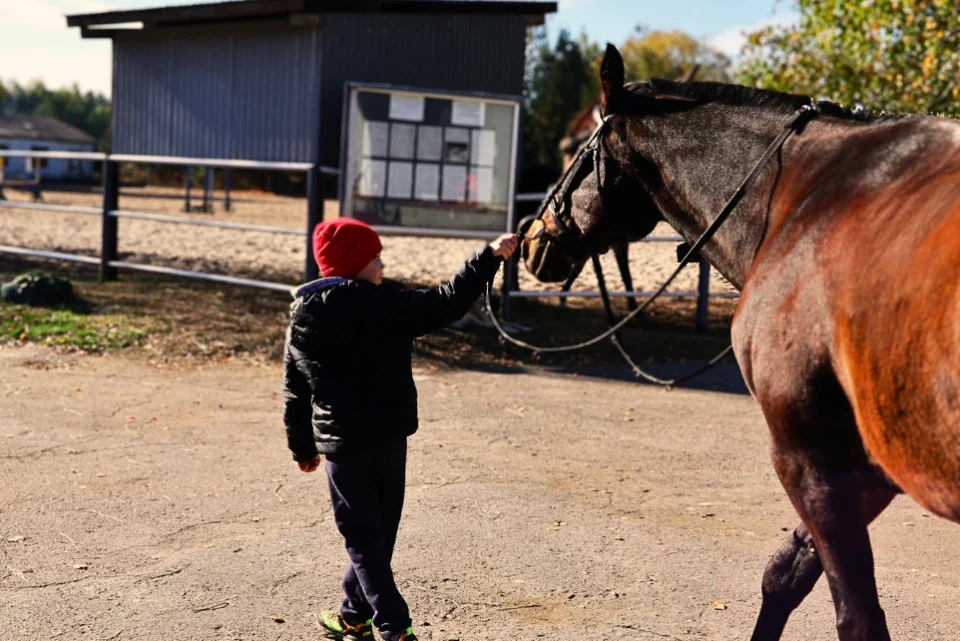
(277, 620)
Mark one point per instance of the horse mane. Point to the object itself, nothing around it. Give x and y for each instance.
(741, 96)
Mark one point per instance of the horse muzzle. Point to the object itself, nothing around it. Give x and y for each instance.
(545, 258)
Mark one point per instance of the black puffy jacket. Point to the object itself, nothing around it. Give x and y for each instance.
(348, 379)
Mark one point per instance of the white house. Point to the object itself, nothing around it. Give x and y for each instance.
(44, 133)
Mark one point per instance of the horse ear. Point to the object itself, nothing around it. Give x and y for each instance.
(611, 79)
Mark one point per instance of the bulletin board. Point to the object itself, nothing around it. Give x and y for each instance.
(426, 162)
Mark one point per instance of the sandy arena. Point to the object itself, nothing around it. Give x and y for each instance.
(276, 257)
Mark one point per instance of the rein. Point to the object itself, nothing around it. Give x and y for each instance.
(797, 120)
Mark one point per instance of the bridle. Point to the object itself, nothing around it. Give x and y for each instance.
(564, 230)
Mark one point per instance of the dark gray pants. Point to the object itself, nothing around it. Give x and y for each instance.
(366, 489)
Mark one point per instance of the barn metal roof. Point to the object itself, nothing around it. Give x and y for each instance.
(42, 128)
(296, 10)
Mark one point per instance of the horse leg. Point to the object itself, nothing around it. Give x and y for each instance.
(569, 283)
(828, 494)
(622, 253)
(795, 569)
(566, 288)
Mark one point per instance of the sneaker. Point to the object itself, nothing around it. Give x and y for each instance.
(406, 635)
(331, 621)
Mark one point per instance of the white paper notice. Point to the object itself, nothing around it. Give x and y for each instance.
(481, 191)
(400, 183)
(409, 108)
(429, 143)
(375, 136)
(454, 183)
(427, 186)
(373, 175)
(483, 147)
(402, 140)
(468, 114)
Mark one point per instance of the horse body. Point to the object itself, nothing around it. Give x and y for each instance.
(896, 338)
(857, 283)
(847, 254)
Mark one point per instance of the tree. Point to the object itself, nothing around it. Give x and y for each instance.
(564, 77)
(896, 55)
(559, 83)
(671, 54)
(88, 112)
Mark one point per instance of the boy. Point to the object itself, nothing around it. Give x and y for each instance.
(350, 397)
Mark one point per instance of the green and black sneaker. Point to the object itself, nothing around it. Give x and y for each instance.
(406, 635)
(333, 623)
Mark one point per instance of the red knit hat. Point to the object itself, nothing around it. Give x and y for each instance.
(344, 246)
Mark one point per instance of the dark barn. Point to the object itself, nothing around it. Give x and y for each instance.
(264, 79)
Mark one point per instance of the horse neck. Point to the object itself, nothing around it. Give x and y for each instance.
(699, 158)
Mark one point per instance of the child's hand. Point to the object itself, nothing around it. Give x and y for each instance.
(309, 466)
(505, 245)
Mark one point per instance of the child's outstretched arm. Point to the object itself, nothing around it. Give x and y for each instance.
(415, 312)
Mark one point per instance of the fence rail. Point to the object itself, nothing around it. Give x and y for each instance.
(39, 253)
(110, 213)
(55, 155)
(184, 220)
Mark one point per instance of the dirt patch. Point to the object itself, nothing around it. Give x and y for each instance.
(153, 504)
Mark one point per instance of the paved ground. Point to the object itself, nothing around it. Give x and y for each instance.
(151, 504)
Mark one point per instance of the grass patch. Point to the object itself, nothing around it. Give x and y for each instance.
(88, 332)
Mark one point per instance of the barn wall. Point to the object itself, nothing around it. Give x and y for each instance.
(230, 91)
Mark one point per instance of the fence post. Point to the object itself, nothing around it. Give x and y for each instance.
(207, 189)
(111, 200)
(226, 189)
(186, 184)
(314, 217)
(703, 295)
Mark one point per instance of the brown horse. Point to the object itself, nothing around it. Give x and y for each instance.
(847, 254)
(581, 126)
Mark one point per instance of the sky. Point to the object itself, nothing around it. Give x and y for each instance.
(35, 42)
